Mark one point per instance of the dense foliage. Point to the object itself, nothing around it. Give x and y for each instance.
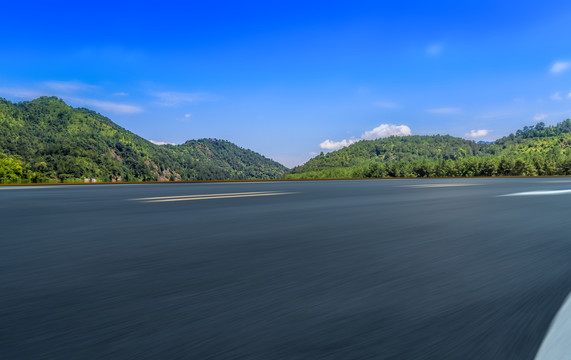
(46, 140)
(535, 150)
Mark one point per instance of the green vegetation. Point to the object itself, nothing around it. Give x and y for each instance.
(45, 140)
(535, 150)
(13, 170)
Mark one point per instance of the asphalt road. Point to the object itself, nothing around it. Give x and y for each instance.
(379, 269)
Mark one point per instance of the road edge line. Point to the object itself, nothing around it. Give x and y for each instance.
(557, 342)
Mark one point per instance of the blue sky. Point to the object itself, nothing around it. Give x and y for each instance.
(291, 79)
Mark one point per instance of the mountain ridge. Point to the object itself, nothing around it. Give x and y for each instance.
(45, 140)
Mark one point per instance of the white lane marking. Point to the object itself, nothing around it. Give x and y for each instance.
(557, 342)
(216, 197)
(436, 185)
(539, 192)
(55, 186)
(201, 195)
(42, 187)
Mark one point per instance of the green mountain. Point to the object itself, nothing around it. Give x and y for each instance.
(45, 140)
(535, 150)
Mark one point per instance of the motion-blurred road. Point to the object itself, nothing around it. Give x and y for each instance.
(379, 269)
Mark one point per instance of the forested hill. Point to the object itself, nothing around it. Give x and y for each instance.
(390, 149)
(534, 150)
(45, 140)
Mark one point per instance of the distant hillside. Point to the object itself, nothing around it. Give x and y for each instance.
(344, 162)
(535, 150)
(394, 148)
(45, 140)
(538, 130)
(550, 141)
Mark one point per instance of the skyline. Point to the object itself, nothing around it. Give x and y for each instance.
(290, 81)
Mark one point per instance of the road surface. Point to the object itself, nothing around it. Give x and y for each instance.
(366, 269)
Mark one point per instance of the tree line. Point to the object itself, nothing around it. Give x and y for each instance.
(537, 150)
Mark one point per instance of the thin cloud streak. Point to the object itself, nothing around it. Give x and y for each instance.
(434, 49)
(560, 66)
(68, 86)
(174, 98)
(445, 110)
(555, 96)
(386, 104)
(109, 106)
(22, 93)
(113, 107)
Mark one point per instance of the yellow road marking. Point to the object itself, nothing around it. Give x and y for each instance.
(200, 195)
(437, 185)
(209, 196)
(229, 196)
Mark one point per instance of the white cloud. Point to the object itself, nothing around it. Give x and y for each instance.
(386, 104)
(187, 115)
(334, 145)
(161, 142)
(434, 49)
(173, 98)
(446, 110)
(555, 96)
(385, 130)
(121, 94)
(540, 117)
(381, 131)
(569, 95)
(560, 66)
(477, 133)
